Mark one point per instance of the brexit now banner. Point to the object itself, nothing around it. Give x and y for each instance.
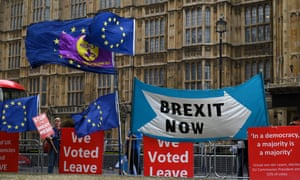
(199, 115)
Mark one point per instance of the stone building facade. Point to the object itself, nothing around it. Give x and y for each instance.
(177, 46)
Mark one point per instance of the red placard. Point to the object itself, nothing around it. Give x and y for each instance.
(43, 126)
(168, 159)
(9, 150)
(274, 152)
(81, 155)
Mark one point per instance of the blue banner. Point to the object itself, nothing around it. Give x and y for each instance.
(199, 115)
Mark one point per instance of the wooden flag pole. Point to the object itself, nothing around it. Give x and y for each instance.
(49, 139)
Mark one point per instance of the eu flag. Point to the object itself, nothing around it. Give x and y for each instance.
(113, 33)
(63, 42)
(17, 114)
(100, 115)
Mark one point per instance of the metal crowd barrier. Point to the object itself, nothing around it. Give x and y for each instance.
(216, 160)
(210, 159)
(31, 156)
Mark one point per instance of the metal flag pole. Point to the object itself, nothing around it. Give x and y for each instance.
(116, 87)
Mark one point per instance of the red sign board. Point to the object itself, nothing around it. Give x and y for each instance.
(168, 159)
(9, 150)
(43, 126)
(81, 155)
(274, 152)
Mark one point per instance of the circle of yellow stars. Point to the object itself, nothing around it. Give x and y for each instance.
(56, 42)
(93, 123)
(15, 126)
(113, 21)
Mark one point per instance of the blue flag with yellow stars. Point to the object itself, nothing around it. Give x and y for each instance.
(63, 42)
(17, 114)
(113, 33)
(100, 115)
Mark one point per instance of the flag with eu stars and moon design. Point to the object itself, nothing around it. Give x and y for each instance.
(100, 115)
(63, 42)
(112, 32)
(17, 114)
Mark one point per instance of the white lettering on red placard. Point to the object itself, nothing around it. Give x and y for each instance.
(81, 155)
(9, 150)
(43, 125)
(168, 159)
(274, 152)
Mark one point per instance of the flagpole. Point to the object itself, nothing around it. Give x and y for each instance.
(39, 112)
(119, 127)
(119, 136)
